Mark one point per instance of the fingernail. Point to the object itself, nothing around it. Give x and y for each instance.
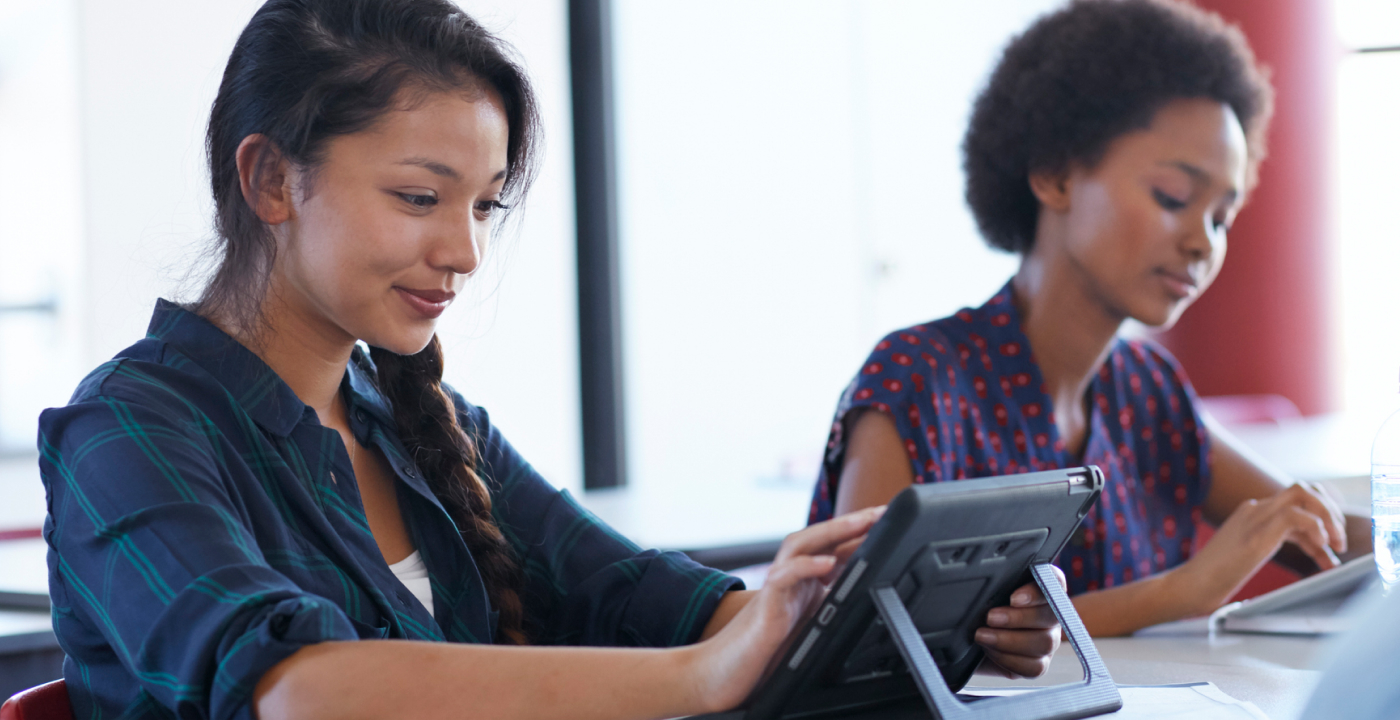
(1020, 598)
(998, 618)
(985, 636)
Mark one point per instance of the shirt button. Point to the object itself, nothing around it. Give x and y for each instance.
(360, 415)
(410, 472)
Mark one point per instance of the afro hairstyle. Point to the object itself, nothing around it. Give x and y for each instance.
(1082, 76)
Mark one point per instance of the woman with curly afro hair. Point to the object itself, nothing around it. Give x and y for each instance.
(1111, 149)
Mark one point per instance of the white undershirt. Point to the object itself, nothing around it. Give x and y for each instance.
(414, 575)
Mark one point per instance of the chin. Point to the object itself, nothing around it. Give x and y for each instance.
(1162, 318)
(401, 343)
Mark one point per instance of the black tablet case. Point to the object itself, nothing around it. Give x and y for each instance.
(941, 557)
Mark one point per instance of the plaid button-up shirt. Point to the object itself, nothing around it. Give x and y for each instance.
(197, 536)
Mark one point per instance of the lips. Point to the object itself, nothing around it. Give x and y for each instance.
(1181, 285)
(428, 303)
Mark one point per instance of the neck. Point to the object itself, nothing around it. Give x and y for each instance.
(307, 352)
(1069, 329)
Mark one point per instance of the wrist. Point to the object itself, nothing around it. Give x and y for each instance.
(689, 676)
(1180, 594)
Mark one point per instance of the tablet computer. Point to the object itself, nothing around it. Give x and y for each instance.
(899, 621)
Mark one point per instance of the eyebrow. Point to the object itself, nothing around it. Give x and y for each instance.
(1196, 174)
(439, 169)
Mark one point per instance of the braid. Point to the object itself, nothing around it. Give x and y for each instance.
(427, 424)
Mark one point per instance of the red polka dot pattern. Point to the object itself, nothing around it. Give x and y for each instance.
(968, 400)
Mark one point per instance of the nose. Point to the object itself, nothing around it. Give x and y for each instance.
(460, 248)
(1205, 240)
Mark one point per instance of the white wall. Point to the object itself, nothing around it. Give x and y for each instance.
(791, 190)
(150, 71)
(41, 211)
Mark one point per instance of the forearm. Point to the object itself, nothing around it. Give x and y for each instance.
(729, 606)
(1127, 608)
(381, 679)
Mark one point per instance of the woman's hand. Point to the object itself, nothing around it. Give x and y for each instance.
(1251, 535)
(729, 665)
(1020, 640)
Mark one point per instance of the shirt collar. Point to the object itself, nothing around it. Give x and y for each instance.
(261, 393)
(364, 390)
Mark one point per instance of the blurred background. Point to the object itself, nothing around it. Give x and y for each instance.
(784, 187)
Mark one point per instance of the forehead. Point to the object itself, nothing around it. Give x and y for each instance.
(465, 131)
(1199, 132)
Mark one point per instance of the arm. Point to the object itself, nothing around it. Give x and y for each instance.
(373, 679)
(1019, 639)
(155, 562)
(876, 466)
(1256, 515)
(876, 469)
(1238, 476)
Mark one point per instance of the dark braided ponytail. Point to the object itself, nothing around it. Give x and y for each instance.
(428, 427)
(302, 73)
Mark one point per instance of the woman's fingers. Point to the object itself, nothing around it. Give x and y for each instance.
(1320, 503)
(825, 536)
(1024, 652)
(1021, 639)
(843, 553)
(1309, 533)
(1039, 617)
(796, 569)
(1029, 594)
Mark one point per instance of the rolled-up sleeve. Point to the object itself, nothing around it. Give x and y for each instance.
(585, 583)
(153, 555)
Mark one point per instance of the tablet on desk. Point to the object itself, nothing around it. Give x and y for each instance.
(1311, 606)
(895, 635)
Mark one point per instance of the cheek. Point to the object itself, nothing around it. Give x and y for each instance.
(1098, 227)
(350, 252)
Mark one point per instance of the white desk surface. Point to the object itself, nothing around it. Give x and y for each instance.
(1274, 672)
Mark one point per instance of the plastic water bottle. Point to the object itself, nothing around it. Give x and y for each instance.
(1385, 501)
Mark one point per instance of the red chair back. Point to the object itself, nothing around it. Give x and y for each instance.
(45, 702)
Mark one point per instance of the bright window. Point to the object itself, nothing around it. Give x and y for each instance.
(790, 190)
(1368, 247)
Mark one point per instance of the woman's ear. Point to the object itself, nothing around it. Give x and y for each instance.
(1051, 189)
(262, 174)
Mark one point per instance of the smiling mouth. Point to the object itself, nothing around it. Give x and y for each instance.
(428, 303)
(1179, 285)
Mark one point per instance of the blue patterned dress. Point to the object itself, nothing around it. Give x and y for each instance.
(968, 399)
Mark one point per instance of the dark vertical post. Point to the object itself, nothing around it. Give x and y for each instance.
(595, 193)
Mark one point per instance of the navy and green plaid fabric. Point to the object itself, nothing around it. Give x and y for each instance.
(198, 535)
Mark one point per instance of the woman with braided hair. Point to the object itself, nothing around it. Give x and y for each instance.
(249, 515)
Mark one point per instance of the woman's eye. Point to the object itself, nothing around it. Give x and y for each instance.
(1167, 202)
(418, 201)
(489, 207)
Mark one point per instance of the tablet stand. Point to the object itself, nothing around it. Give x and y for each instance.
(1095, 695)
